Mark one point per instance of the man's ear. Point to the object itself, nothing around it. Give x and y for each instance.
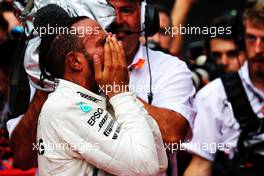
(74, 61)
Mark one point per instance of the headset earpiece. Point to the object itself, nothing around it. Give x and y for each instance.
(150, 26)
(149, 19)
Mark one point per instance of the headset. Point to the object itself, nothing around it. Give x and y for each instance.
(149, 19)
(149, 26)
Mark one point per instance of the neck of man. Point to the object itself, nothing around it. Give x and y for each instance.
(131, 54)
(79, 81)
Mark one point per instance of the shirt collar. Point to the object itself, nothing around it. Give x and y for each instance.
(82, 92)
(244, 74)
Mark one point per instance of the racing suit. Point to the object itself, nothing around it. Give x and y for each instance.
(76, 135)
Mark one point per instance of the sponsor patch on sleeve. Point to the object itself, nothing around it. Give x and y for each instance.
(96, 115)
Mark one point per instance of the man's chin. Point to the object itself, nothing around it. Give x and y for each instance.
(258, 68)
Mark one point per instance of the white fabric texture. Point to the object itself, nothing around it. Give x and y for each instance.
(73, 117)
(215, 125)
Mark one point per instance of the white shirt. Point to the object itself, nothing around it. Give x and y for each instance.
(76, 133)
(172, 83)
(215, 124)
(172, 88)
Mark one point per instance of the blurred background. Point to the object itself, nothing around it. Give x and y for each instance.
(201, 13)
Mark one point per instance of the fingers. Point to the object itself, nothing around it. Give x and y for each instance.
(112, 40)
(97, 67)
(114, 54)
(107, 56)
(120, 51)
(113, 69)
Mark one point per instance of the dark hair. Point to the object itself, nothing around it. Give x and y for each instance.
(224, 22)
(53, 52)
(254, 11)
(5, 7)
(54, 48)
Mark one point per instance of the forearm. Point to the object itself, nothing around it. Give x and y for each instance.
(178, 16)
(173, 126)
(24, 135)
(180, 11)
(135, 135)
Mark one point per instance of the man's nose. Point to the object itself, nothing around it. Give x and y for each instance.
(224, 60)
(119, 18)
(259, 46)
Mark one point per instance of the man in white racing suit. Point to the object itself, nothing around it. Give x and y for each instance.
(76, 134)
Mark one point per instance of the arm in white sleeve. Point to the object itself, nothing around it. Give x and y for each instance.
(125, 145)
(163, 160)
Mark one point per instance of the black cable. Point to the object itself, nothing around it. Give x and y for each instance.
(150, 94)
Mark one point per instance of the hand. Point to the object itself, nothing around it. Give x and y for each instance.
(112, 74)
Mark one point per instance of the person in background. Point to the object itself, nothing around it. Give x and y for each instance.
(224, 49)
(172, 100)
(6, 11)
(220, 123)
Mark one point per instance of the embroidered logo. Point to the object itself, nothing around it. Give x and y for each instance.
(85, 108)
(138, 65)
